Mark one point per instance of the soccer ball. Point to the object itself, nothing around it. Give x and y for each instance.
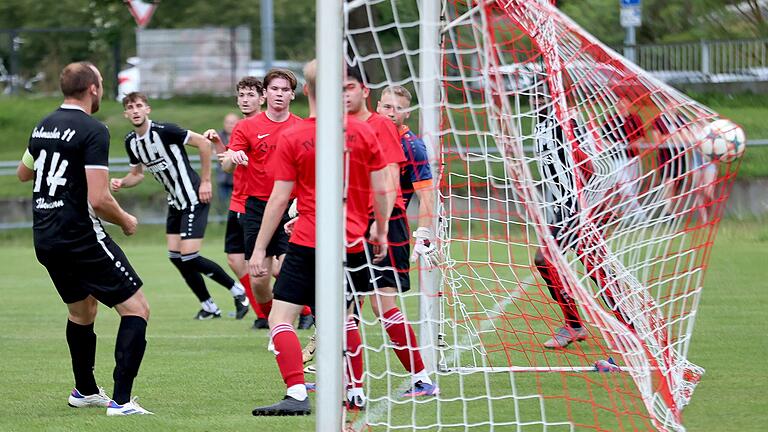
(722, 140)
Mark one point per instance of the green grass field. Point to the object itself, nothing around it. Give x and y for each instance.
(206, 376)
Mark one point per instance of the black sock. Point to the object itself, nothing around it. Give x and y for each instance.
(129, 350)
(209, 268)
(193, 278)
(82, 348)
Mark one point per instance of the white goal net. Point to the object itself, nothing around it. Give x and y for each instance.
(575, 215)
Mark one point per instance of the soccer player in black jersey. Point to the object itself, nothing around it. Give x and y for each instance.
(560, 166)
(67, 159)
(160, 148)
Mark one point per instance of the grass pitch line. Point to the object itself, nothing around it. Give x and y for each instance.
(375, 412)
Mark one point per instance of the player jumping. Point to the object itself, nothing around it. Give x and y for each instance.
(559, 167)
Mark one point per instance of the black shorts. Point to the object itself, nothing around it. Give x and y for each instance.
(296, 283)
(234, 239)
(254, 213)
(100, 270)
(188, 223)
(397, 264)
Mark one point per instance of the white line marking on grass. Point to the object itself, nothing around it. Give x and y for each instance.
(376, 412)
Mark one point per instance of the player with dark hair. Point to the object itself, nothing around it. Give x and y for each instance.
(250, 95)
(252, 143)
(160, 148)
(67, 158)
(294, 167)
(394, 278)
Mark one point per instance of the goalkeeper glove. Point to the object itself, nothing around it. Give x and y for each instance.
(292, 210)
(425, 247)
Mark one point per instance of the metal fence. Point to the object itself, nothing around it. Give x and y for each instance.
(706, 61)
(116, 165)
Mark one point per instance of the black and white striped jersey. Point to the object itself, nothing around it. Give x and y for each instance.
(64, 144)
(557, 170)
(161, 151)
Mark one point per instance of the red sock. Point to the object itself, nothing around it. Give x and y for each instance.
(354, 355)
(549, 273)
(246, 281)
(402, 336)
(288, 355)
(306, 311)
(266, 308)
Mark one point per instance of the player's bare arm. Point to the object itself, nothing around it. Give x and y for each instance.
(104, 204)
(23, 173)
(293, 213)
(391, 178)
(288, 227)
(204, 145)
(215, 139)
(383, 202)
(135, 176)
(426, 206)
(394, 177)
(278, 202)
(230, 159)
(424, 235)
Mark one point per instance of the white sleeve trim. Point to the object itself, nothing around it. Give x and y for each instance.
(101, 167)
(186, 139)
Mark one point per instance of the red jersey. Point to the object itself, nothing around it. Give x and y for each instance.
(257, 136)
(238, 197)
(294, 161)
(392, 150)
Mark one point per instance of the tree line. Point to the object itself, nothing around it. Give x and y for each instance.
(106, 25)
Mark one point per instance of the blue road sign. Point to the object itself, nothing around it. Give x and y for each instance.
(629, 3)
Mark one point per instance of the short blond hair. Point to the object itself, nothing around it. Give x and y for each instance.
(399, 91)
(310, 75)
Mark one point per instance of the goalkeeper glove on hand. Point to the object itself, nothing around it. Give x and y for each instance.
(425, 247)
(293, 211)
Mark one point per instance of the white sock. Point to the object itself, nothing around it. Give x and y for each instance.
(298, 392)
(421, 376)
(209, 306)
(237, 289)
